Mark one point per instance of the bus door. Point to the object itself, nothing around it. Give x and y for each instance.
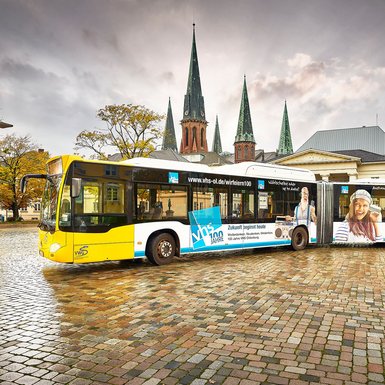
(101, 230)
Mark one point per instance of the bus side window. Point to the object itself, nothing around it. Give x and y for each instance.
(113, 198)
(243, 205)
(206, 197)
(202, 198)
(271, 204)
(161, 202)
(89, 201)
(343, 206)
(264, 205)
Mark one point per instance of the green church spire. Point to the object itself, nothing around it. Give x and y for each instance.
(169, 139)
(217, 144)
(285, 144)
(194, 107)
(245, 128)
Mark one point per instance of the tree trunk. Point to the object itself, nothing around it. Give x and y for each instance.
(15, 206)
(15, 211)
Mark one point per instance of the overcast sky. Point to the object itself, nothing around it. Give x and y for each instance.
(62, 60)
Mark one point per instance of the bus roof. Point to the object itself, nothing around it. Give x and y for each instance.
(371, 181)
(253, 169)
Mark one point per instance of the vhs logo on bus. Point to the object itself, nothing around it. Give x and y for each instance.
(205, 227)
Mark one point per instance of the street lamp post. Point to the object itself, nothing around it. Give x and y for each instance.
(5, 125)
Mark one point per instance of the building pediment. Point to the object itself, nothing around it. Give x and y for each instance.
(312, 156)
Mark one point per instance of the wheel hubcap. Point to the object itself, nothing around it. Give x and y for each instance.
(165, 249)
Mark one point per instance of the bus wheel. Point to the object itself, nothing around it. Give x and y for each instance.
(299, 238)
(161, 249)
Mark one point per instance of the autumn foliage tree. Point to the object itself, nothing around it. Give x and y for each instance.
(19, 156)
(130, 130)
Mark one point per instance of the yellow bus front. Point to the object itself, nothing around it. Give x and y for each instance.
(84, 213)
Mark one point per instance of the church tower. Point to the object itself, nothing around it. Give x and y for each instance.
(169, 139)
(217, 143)
(194, 122)
(244, 144)
(285, 144)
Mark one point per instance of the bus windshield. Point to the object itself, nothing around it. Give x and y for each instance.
(49, 203)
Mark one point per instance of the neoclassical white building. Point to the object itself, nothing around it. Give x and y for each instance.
(341, 155)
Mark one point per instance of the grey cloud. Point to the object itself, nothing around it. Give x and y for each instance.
(24, 72)
(61, 60)
(101, 41)
(167, 77)
(295, 85)
(86, 78)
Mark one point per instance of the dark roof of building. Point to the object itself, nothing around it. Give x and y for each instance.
(117, 157)
(371, 138)
(267, 157)
(365, 156)
(168, 154)
(210, 158)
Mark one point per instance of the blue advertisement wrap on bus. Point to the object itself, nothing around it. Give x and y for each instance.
(207, 232)
(205, 227)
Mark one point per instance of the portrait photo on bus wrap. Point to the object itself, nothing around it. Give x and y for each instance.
(303, 212)
(300, 211)
(362, 218)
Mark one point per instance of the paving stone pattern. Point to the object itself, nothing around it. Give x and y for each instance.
(258, 317)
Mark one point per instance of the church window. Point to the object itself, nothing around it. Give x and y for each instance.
(194, 138)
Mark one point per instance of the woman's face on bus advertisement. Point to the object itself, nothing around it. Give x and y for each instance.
(361, 208)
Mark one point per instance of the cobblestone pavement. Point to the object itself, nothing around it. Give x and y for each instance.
(269, 316)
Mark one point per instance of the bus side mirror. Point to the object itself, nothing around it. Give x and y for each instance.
(76, 187)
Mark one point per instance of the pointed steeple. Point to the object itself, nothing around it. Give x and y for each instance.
(245, 128)
(194, 107)
(244, 144)
(217, 144)
(285, 144)
(169, 139)
(194, 122)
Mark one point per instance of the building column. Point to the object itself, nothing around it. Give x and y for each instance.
(325, 176)
(352, 175)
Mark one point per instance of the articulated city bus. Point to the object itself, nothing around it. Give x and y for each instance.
(95, 211)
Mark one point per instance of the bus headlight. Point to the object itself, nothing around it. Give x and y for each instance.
(54, 247)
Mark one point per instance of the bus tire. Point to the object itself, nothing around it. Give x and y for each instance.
(161, 249)
(299, 238)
